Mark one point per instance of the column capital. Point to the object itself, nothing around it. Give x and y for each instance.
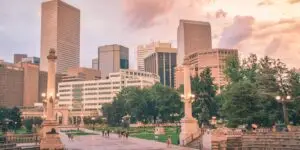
(52, 55)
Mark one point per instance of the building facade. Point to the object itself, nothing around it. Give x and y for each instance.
(32, 60)
(163, 63)
(213, 59)
(22, 84)
(192, 36)
(11, 85)
(112, 58)
(95, 63)
(91, 95)
(81, 74)
(144, 50)
(19, 57)
(60, 29)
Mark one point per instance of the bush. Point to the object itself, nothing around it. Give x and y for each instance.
(28, 125)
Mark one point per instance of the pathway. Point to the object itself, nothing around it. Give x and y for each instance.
(97, 142)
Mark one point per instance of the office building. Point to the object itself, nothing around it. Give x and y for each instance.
(162, 62)
(112, 58)
(32, 60)
(22, 84)
(211, 58)
(31, 84)
(94, 93)
(81, 74)
(19, 57)
(60, 29)
(144, 50)
(192, 36)
(95, 63)
(11, 85)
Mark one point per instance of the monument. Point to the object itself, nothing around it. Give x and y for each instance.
(50, 139)
(189, 125)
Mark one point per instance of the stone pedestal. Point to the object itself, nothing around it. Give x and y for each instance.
(159, 131)
(189, 128)
(50, 141)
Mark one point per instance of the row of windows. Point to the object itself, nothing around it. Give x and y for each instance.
(90, 89)
(62, 86)
(67, 90)
(133, 81)
(90, 84)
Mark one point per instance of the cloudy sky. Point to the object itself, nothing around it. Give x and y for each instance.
(264, 27)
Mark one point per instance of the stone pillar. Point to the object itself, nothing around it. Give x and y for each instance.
(50, 138)
(189, 125)
(51, 95)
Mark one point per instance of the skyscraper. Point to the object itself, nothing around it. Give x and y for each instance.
(60, 30)
(144, 50)
(95, 63)
(192, 36)
(112, 58)
(19, 57)
(162, 62)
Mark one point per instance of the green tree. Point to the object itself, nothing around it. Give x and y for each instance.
(242, 105)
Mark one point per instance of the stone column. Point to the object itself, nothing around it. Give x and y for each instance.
(51, 95)
(189, 125)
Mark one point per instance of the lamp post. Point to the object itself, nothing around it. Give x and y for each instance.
(15, 123)
(93, 119)
(284, 100)
(126, 120)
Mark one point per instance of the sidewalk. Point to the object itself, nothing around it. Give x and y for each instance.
(97, 142)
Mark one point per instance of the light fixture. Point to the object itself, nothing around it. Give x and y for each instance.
(278, 97)
(43, 94)
(57, 95)
(182, 96)
(288, 97)
(192, 96)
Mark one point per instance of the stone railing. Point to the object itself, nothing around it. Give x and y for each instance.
(193, 136)
(22, 138)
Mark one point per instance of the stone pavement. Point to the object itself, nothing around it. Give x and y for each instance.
(97, 142)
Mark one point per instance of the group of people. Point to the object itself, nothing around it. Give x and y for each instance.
(105, 133)
(123, 134)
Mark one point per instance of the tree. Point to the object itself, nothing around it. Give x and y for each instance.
(204, 106)
(242, 105)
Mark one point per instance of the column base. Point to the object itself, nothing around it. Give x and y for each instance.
(49, 140)
(189, 130)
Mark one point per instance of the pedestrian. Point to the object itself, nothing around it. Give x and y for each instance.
(69, 136)
(108, 132)
(168, 141)
(102, 132)
(72, 137)
(127, 134)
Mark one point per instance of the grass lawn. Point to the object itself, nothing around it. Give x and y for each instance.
(148, 133)
(78, 132)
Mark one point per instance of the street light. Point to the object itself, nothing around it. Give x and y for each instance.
(284, 100)
(93, 119)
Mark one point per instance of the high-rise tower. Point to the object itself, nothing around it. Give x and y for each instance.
(192, 36)
(60, 30)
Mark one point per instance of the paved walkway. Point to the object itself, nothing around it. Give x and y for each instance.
(97, 142)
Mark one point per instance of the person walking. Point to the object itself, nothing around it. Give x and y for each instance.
(169, 141)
